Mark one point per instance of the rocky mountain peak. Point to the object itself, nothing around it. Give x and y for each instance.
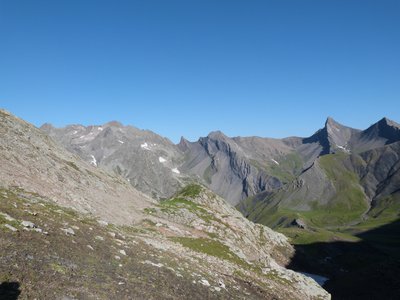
(114, 124)
(183, 144)
(47, 127)
(385, 130)
(387, 122)
(334, 136)
(331, 125)
(217, 135)
(331, 122)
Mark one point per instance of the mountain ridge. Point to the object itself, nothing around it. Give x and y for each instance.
(233, 167)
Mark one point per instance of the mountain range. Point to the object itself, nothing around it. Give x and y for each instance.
(141, 193)
(70, 229)
(252, 172)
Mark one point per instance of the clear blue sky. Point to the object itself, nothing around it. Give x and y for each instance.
(270, 68)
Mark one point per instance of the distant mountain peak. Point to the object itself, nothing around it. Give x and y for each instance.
(330, 123)
(183, 144)
(330, 120)
(114, 124)
(46, 126)
(217, 135)
(388, 122)
(384, 129)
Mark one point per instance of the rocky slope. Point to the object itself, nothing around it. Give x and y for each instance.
(73, 231)
(31, 160)
(148, 161)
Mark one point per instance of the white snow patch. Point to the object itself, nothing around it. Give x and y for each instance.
(145, 146)
(94, 161)
(162, 159)
(100, 128)
(175, 170)
(273, 160)
(343, 148)
(75, 132)
(81, 137)
(119, 141)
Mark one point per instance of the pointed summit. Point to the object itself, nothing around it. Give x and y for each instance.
(387, 122)
(184, 144)
(333, 137)
(331, 124)
(385, 130)
(330, 121)
(46, 127)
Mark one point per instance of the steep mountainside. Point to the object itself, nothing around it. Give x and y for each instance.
(230, 169)
(340, 188)
(192, 245)
(31, 160)
(148, 161)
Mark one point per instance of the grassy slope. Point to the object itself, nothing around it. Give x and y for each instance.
(358, 250)
(348, 205)
(87, 264)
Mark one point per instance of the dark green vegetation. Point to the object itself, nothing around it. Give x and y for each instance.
(191, 191)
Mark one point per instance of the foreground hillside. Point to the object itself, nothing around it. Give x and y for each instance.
(54, 252)
(71, 231)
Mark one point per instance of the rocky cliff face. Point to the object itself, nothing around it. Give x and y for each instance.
(227, 168)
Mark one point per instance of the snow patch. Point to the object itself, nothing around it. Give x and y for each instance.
(273, 160)
(94, 161)
(100, 128)
(121, 142)
(175, 170)
(343, 148)
(75, 132)
(162, 159)
(145, 146)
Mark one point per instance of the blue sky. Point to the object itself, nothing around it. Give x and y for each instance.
(269, 68)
